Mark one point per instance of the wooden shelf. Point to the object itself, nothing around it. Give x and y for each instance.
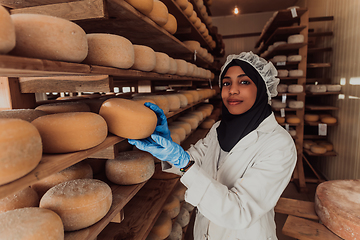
(287, 109)
(297, 208)
(320, 108)
(327, 154)
(289, 94)
(322, 93)
(290, 124)
(318, 65)
(314, 124)
(314, 137)
(283, 48)
(319, 50)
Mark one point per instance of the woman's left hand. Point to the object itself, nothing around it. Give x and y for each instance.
(162, 128)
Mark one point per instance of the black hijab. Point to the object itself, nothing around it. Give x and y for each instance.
(233, 128)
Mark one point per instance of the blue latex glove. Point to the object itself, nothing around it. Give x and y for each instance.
(163, 149)
(162, 128)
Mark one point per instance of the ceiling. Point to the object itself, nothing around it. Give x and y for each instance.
(225, 7)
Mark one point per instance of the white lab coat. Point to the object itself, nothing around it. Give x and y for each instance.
(237, 200)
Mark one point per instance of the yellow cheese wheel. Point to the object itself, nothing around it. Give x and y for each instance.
(63, 107)
(207, 124)
(308, 144)
(77, 171)
(328, 120)
(162, 102)
(109, 50)
(184, 125)
(192, 120)
(24, 114)
(179, 131)
(130, 167)
(175, 138)
(23, 198)
(7, 32)
(70, 132)
(197, 23)
(189, 10)
(172, 206)
(293, 119)
(311, 117)
(128, 119)
(318, 149)
(199, 114)
(183, 218)
(31, 224)
(47, 37)
(20, 147)
(189, 97)
(182, 3)
(144, 6)
(159, 13)
(145, 58)
(280, 119)
(162, 63)
(195, 94)
(176, 232)
(144, 100)
(329, 147)
(192, 45)
(171, 25)
(183, 100)
(193, 17)
(162, 226)
(80, 203)
(179, 191)
(181, 67)
(174, 102)
(202, 28)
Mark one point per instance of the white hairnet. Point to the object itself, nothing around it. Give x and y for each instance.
(266, 70)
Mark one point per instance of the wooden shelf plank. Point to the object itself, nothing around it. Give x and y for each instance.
(327, 154)
(319, 50)
(283, 48)
(318, 65)
(320, 108)
(297, 208)
(315, 124)
(53, 163)
(32, 3)
(322, 93)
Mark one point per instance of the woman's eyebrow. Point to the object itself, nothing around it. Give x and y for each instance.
(242, 75)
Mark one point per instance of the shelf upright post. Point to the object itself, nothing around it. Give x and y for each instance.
(11, 96)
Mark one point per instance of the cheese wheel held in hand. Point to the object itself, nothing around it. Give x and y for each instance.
(128, 119)
(7, 32)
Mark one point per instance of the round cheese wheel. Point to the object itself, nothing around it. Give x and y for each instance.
(316, 88)
(197, 23)
(162, 102)
(162, 226)
(173, 66)
(171, 25)
(190, 69)
(280, 119)
(186, 126)
(295, 104)
(195, 94)
(80, 203)
(293, 119)
(189, 97)
(172, 206)
(317, 149)
(292, 132)
(77, 171)
(176, 232)
(159, 13)
(337, 205)
(47, 37)
(192, 120)
(329, 147)
(24, 114)
(208, 108)
(183, 218)
(63, 107)
(20, 147)
(162, 63)
(180, 131)
(144, 58)
(144, 6)
(282, 88)
(207, 124)
(311, 117)
(297, 38)
(188, 206)
(328, 120)
(333, 88)
(175, 137)
(23, 198)
(294, 58)
(179, 191)
(128, 119)
(183, 100)
(130, 167)
(109, 50)
(189, 10)
(283, 73)
(144, 100)
(296, 73)
(7, 32)
(31, 223)
(308, 144)
(279, 58)
(202, 28)
(182, 67)
(174, 102)
(193, 17)
(70, 132)
(279, 43)
(277, 103)
(295, 88)
(182, 3)
(199, 114)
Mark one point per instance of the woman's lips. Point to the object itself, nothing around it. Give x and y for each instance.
(234, 101)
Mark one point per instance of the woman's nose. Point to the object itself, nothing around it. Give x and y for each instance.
(233, 89)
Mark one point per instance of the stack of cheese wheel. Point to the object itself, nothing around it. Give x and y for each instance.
(20, 147)
(80, 203)
(128, 119)
(144, 58)
(162, 63)
(23, 198)
(172, 206)
(130, 167)
(77, 171)
(176, 232)
(70, 132)
(63, 107)
(110, 50)
(31, 223)
(144, 6)
(162, 227)
(186, 126)
(337, 205)
(67, 41)
(160, 13)
(7, 32)
(178, 130)
(24, 114)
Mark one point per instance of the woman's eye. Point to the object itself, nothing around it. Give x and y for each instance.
(226, 84)
(245, 82)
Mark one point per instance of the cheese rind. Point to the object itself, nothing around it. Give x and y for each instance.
(172, 206)
(162, 226)
(176, 232)
(21, 199)
(162, 63)
(181, 67)
(144, 6)
(182, 3)
(183, 218)
(63, 107)
(295, 88)
(159, 13)
(311, 117)
(24, 114)
(171, 25)
(144, 58)
(297, 38)
(318, 149)
(7, 32)
(173, 66)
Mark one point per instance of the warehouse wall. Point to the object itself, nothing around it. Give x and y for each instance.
(345, 60)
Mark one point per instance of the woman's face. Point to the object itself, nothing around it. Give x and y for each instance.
(238, 91)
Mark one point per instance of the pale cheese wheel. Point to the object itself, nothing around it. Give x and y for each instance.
(295, 88)
(337, 205)
(183, 100)
(190, 69)
(189, 10)
(280, 119)
(109, 50)
(192, 45)
(70, 132)
(283, 73)
(31, 223)
(295, 104)
(294, 58)
(180, 131)
(77, 171)
(174, 102)
(179, 191)
(183, 218)
(159, 13)
(24, 114)
(171, 25)
(188, 206)
(316, 88)
(176, 232)
(297, 38)
(282, 88)
(184, 125)
(162, 63)
(329, 146)
(144, 58)
(296, 73)
(333, 88)
(195, 94)
(21, 199)
(311, 117)
(182, 3)
(172, 206)
(199, 114)
(175, 138)
(80, 203)
(130, 167)
(318, 149)
(182, 67)
(292, 132)
(293, 119)
(308, 144)
(328, 120)
(162, 226)
(128, 119)
(144, 6)
(189, 97)
(207, 124)
(47, 37)
(277, 103)
(279, 58)
(63, 107)
(193, 17)
(7, 32)
(173, 66)
(20, 147)
(279, 43)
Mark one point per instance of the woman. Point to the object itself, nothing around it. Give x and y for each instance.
(236, 174)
